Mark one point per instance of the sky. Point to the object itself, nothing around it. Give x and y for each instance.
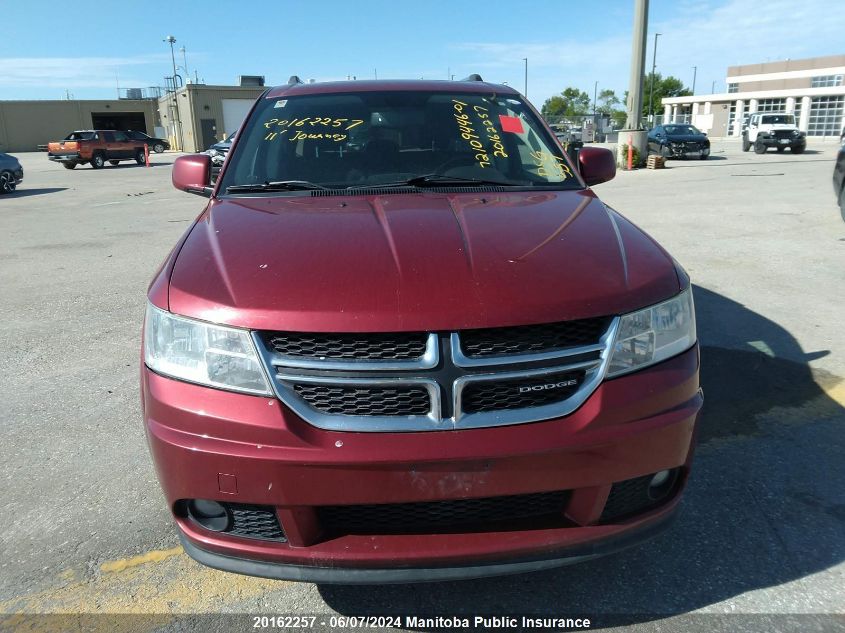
(87, 49)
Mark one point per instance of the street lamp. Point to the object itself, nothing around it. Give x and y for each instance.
(525, 92)
(694, 73)
(175, 103)
(653, 68)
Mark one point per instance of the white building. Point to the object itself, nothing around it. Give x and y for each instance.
(812, 89)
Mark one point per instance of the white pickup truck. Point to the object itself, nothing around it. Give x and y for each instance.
(771, 129)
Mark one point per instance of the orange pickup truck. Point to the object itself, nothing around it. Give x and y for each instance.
(95, 147)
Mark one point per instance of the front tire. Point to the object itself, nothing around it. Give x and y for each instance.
(7, 182)
(98, 161)
(158, 148)
(759, 147)
(746, 144)
(798, 150)
(139, 157)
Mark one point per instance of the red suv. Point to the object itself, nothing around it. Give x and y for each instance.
(405, 341)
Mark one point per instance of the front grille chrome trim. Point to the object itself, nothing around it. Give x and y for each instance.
(461, 360)
(429, 359)
(285, 382)
(285, 376)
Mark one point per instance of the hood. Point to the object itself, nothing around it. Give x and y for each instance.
(410, 262)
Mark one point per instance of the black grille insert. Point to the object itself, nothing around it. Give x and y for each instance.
(377, 346)
(376, 400)
(632, 496)
(444, 516)
(498, 395)
(255, 522)
(526, 339)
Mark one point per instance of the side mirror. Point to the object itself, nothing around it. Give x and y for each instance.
(193, 174)
(597, 165)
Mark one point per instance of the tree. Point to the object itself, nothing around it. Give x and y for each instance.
(668, 87)
(607, 99)
(569, 103)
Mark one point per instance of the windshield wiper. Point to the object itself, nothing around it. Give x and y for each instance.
(437, 180)
(277, 185)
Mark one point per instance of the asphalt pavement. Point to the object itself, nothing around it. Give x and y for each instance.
(762, 533)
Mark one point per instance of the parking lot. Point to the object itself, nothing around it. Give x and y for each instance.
(763, 525)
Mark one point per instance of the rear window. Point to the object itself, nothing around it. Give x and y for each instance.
(81, 136)
(378, 138)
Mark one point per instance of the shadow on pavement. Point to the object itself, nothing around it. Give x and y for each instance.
(764, 505)
(23, 193)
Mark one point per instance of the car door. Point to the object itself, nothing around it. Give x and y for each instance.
(123, 146)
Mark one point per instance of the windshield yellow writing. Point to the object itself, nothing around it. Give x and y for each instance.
(549, 165)
(314, 121)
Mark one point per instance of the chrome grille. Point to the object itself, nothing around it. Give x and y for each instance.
(365, 400)
(389, 346)
(532, 338)
(518, 393)
(469, 379)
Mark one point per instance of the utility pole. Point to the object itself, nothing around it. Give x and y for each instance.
(653, 69)
(595, 98)
(634, 134)
(525, 92)
(185, 63)
(694, 73)
(713, 87)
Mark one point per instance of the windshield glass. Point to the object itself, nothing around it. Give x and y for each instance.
(772, 119)
(379, 138)
(679, 130)
(80, 136)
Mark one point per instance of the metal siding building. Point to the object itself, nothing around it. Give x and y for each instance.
(206, 114)
(812, 89)
(24, 125)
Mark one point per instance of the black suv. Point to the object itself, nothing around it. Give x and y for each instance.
(678, 140)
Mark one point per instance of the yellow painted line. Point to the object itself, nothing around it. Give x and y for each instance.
(154, 556)
(158, 582)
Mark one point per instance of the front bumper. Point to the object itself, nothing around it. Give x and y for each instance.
(773, 141)
(211, 444)
(683, 150)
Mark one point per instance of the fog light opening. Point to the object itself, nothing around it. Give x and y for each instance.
(662, 483)
(209, 514)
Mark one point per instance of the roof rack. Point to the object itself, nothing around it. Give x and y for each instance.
(473, 77)
(294, 79)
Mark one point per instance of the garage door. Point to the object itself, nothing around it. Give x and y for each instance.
(234, 112)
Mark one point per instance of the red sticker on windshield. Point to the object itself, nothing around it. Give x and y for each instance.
(511, 124)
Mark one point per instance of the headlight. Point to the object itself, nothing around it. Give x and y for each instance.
(654, 334)
(202, 353)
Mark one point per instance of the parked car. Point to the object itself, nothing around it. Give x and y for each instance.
(11, 173)
(157, 145)
(776, 130)
(95, 147)
(839, 179)
(678, 140)
(218, 153)
(431, 354)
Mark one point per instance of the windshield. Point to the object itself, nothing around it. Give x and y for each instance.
(773, 119)
(80, 136)
(387, 138)
(679, 130)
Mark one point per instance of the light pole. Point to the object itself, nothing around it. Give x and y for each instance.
(653, 68)
(525, 92)
(694, 73)
(713, 87)
(185, 64)
(595, 98)
(177, 124)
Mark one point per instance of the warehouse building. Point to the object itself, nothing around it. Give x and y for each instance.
(26, 125)
(193, 118)
(812, 89)
(197, 115)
